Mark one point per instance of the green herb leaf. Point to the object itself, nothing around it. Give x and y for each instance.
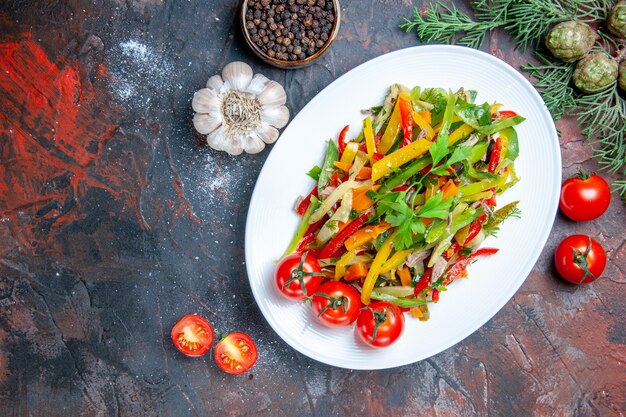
(461, 153)
(435, 207)
(477, 116)
(439, 149)
(315, 173)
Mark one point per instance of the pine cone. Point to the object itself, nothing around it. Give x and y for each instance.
(570, 41)
(616, 22)
(595, 72)
(622, 75)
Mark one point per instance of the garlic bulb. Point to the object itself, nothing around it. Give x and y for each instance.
(238, 111)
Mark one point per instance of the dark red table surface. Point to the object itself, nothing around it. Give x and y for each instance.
(115, 220)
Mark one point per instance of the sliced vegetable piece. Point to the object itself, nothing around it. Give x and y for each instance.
(399, 301)
(366, 234)
(406, 114)
(303, 226)
(356, 271)
(332, 154)
(399, 158)
(392, 130)
(395, 261)
(372, 275)
(369, 137)
(337, 241)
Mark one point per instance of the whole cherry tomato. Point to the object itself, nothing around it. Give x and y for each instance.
(298, 275)
(337, 303)
(579, 259)
(584, 197)
(380, 324)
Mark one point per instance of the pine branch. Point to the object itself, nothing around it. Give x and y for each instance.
(602, 115)
(619, 186)
(549, 76)
(444, 23)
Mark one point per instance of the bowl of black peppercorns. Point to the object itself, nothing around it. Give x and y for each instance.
(290, 33)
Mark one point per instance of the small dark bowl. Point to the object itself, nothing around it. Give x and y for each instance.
(290, 64)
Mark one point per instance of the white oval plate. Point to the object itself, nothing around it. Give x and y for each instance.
(468, 303)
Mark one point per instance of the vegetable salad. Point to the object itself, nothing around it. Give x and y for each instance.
(399, 210)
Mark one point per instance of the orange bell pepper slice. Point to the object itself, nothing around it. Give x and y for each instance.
(357, 271)
(405, 276)
(365, 234)
(345, 167)
(360, 200)
(449, 190)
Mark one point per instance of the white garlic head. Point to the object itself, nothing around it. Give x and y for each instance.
(240, 112)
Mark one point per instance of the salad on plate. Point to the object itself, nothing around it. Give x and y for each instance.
(400, 210)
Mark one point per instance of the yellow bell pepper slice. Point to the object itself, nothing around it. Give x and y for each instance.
(459, 133)
(393, 262)
(424, 124)
(372, 274)
(398, 158)
(342, 263)
(349, 153)
(393, 128)
(495, 107)
(369, 137)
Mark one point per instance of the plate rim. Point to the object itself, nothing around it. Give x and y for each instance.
(536, 253)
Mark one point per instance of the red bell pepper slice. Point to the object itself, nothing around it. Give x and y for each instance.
(435, 295)
(306, 202)
(423, 283)
(337, 242)
(474, 228)
(457, 269)
(400, 188)
(505, 114)
(406, 115)
(377, 156)
(314, 253)
(341, 140)
(491, 201)
(495, 156)
(308, 238)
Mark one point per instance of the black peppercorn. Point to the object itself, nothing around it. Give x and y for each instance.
(289, 29)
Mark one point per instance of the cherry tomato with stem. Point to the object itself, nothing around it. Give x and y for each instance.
(336, 303)
(380, 324)
(579, 259)
(298, 275)
(584, 197)
(235, 353)
(192, 335)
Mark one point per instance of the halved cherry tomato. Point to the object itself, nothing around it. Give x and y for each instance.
(579, 259)
(584, 197)
(298, 275)
(380, 324)
(192, 335)
(236, 353)
(336, 303)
